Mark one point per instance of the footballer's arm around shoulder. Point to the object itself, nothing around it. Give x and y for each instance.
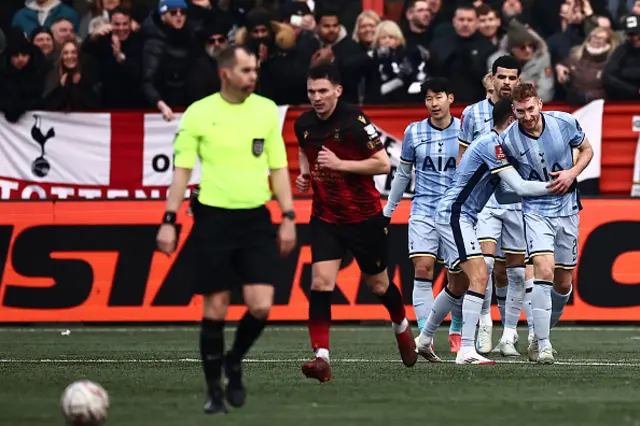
(523, 188)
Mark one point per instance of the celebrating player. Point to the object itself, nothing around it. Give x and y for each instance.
(498, 223)
(542, 144)
(456, 218)
(431, 145)
(340, 152)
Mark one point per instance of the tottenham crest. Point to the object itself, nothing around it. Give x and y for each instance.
(40, 166)
(258, 147)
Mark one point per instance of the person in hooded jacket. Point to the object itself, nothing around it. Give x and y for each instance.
(43, 13)
(204, 79)
(167, 56)
(531, 51)
(42, 38)
(282, 74)
(22, 73)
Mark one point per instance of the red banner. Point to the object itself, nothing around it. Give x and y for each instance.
(96, 261)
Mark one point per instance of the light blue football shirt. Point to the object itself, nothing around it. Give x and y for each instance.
(433, 151)
(552, 151)
(477, 120)
(475, 180)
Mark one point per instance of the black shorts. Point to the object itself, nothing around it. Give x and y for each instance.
(366, 240)
(233, 247)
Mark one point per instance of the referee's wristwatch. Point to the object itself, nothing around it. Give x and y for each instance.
(169, 218)
(289, 214)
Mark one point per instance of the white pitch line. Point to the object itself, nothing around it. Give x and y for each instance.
(337, 328)
(567, 362)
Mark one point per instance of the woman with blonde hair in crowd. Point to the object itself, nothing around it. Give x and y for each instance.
(581, 72)
(365, 28)
(398, 72)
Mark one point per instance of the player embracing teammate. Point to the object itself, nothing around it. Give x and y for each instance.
(500, 227)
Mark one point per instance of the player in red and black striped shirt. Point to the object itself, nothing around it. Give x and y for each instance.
(340, 152)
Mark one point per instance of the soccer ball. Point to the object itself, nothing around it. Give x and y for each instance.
(84, 403)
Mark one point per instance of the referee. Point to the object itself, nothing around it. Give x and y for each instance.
(237, 136)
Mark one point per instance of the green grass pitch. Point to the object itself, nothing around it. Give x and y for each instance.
(154, 377)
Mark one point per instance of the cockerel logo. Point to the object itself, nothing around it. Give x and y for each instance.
(40, 166)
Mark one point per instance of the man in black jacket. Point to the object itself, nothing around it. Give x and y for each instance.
(118, 52)
(167, 55)
(203, 77)
(462, 57)
(621, 76)
(22, 74)
(332, 44)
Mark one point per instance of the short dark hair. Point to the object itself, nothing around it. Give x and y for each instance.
(502, 111)
(507, 62)
(412, 3)
(321, 12)
(121, 10)
(324, 70)
(485, 9)
(436, 85)
(227, 57)
(465, 5)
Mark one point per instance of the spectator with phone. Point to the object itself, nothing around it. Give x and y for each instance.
(298, 15)
(99, 14)
(117, 50)
(274, 43)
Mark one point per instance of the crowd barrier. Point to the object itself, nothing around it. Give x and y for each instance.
(128, 155)
(95, 261)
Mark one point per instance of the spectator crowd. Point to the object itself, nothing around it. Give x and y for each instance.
(78, 55)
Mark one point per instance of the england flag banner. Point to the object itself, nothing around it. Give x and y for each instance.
(53, 155)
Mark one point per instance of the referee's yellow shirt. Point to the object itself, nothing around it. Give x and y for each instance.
(237, 145)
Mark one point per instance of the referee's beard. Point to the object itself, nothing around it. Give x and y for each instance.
(237, 94)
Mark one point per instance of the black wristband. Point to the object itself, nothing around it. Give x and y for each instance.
(169, 218)
(290, 214)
